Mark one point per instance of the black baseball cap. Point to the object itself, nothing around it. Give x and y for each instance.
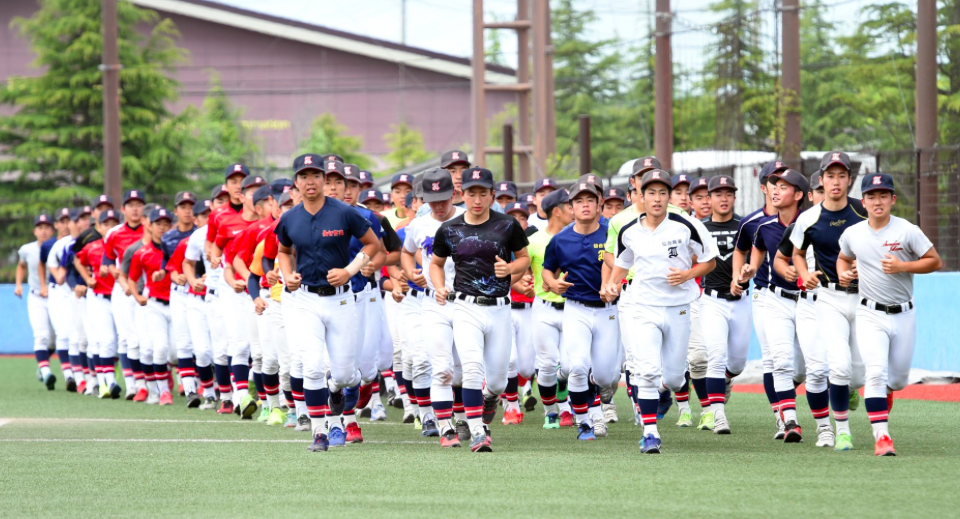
(102, 199)
(876, 182)
(721, 182)
(816, 181)
(770, 168)
(236, 169)
(253, 181)
(351, 173)
(644, 164)
(554, 199)
(262, 193)
(160, 214)
(593, 179)
(366, 178)
(437, 185)
(517, 207)
(132, 195)
(109, 214)
(281, 185)
(453, 157)
(203, 206)
(615, 193)
(184, 196)
(585, 187)
(402, 178)
(285, 199)
(794, 178)
(544, 183)
(700, 183)
(42, 219)
(527, 198)
(63, 212)
(835, 157)
(370, 194)
(477, 177)
(327, 157)
(218, 191)
(505, 188)
(679, 178)
(655, 176)
(308, 161)
(334, 167)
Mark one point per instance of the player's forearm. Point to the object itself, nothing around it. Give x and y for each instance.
(393, 258)
(21, 273)
(756, 259)
(437, 275)
(240, 267)
(606, 269)
(800, 264)
(702, 269)
(549, 279)
(843, 266)
(617, 274)
(737, 261)
(189, 270)
(407, 263)
(520, 263)
(42, 272)
(922, 265)
(780, 265)
(379, 259)
(286, 264)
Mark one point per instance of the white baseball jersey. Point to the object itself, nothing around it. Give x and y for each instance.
(30, 254)
(652, 254)
(58, 251)
(900, 239)
(420, 234)
(194, 252)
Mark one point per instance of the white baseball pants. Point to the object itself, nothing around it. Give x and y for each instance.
(444, 360)
(416, 360)
(483, 343)
(103, 340)
(160, 328)
(39, 316)
(887, 349)
(658, 346)
(327, 333)
(697, 356)
(837, 312)
(728, 337)
(60, 307)
(590, 338)
(812, 363)
(523, 355)
(547, 329)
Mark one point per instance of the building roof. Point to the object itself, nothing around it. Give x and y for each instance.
(325, 37)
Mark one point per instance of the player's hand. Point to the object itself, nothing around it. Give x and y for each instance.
(677, 277)
(735, 288)
(441, 295)
(180, 279)
(338, 277)
(791, 274)
(501, 268)
(853, 266)
(847, 277)
(197, 285)
(18, 291)
(418, 278)
(813, 281)
(43, 289)
(92, 282)
(368, 270)
(397, 293)
(746, 272)
(402, 277)
(293, 283)
(238, 285)
(891, 265)
(141, 300)
(128, 290)
(561, 285)
(259, 305)
(104, 271)
(214, 261)
(525, 286)
(158, 275)
(611, 291)
(80, 291)
(272, 277)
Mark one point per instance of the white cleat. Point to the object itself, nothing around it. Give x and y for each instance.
(609, 412)
(153, 399)
(378, 413)
(781, 430)
(825, 436)
(720, 425)
(600, 429)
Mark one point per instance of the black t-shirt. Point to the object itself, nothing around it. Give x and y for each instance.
(474, 249)
(88, 236)
(726, 235)
(531, 230)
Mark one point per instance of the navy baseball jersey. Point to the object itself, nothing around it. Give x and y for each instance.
(745, 240)
(822, 229)
(770, 232)
(581, 257)
(474, 249)
(359, 282)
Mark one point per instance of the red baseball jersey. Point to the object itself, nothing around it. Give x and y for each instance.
(213, 223)
(118, 239)
(175, 264)
(269, 238)
(91, 255)
(231, 227)
(249, 238)
(146, 261)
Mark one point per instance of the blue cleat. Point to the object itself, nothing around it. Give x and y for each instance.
(320, 443)
(666, 400)
(586, 433)
(650, 444)
(430, 427)
(337, 437)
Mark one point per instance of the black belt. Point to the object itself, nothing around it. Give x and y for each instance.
(383, 294)
(161, 301)
(809, 295)
(554, 304)
(325, 291)
(590, 304)
(102, 296)
(793, 296)
(887, 309)
(852, 289)
(727, 296)
(484, 300)
(519, 306)
(433, 293)
(212, 291)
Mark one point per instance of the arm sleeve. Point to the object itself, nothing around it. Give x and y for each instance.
(518, 238)
(917, 242)
(611, 246)
(845, 247)
(194, 249)
(744, 237)
(253, 282)
(212, 227)
(45, 251)
(550, 260)
(705, 246)
(282, 235)
(440, 246)
(758, 239)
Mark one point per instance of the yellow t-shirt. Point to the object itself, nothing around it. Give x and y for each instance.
(257, 268)
(537, 247)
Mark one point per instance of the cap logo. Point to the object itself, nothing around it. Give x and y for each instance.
(238, 168)
(877, 180)
(163, 212)
(403, 178)
(683, 178)
(286, 189)
(835, 156)
(546, 181)
(133, 193)
(331, 165)
(363, 175)
(435, 186)
(701, 181)
(86, 208)
(258, 179)
(647, 163)
(583, 186)
(591, 178)
(308, 160)
(476, 175)
(206, 203)
(503, 187)
(349, 170)
(613, 192)
(723, 181)
(656, 174)
(43, 218)
(778, 165)
(455, 155)
(103, 198)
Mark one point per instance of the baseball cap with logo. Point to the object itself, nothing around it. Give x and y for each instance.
(816, 181)
(109, 214)
(721, 182)
(203, 206)
(184, 196)
(132, 195)
(42, 219)
(101, 200)
(366, 178)
(408, 199)
(592, 178)
(281, 185)
(528, 198)
(770, 168)
(308, 161)
(235, 169)
(505, 188)
(792, 177)
(285, 199)
(334, 167)
(453, 157)
(351, 173)
(517, 207)
(554, 199)
(437, 185)
(332, 156)
(477, 177)
(644, 164)
(85, 210)
(63, 212)
(262, 193)
(160, 214)
(615, 193)
(679, 178)
(370, 194)
(584, 187)
(402, 178)
(385, 197)
(831, 158)
(218, 191)
(544, 183)
(876, 182)
(655, 176)
(700, 183)
(253, 181)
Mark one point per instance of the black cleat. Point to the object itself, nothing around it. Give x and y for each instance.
(71, 385)
(193, 401)
(489, 409)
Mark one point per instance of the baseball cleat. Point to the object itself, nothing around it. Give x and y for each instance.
(417, 424)
(166, 398)
(609, 413)
(551, 421)
(131, 392)
(303, 423)
(663, 407)
(72, 385)
(114, 391)
(394, 400)
(566, 419)
(226, 407)
(855, 399)
(599, 429)
(363, 395)
(781, 431)
(320, 443)
(409, 417)
(884, 446)
(39, 375)
(529, 401)
(430, 427)
(104, 392)
(606, 393)
(707, 421)
(364, 412)
(276, 417)
(463, 430)
(92, 390)
(152, 399)
(82, 386)
(208, 404)
(844, 442)
(247, 407)
(449, 439)
(378, 413)
(792, 432)
(650, 444)
(585, 433)
(193, 401)
(480, 442)
(291, 420)
(825, 436)
(489, 410)
(141, 395)
(720, 425)
(686, 419)
(354, 434)
(512, 417)
(337, 437)
(264, 415)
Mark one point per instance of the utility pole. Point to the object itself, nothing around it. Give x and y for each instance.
(927, 118)
(478, 87)
(792, 138)
(663, 88)
(110, 68)
(584, 144)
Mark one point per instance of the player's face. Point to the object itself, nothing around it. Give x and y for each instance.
(722, 202)
(233, 188)
(701, 203)
(295, 195)
(442, 208)
(655, 198)
(612, 207)
(478, 199)
(374, 205)
(456, 173)
(201, 219)
(879, 203)
(505, 200)
(61, 226)
(72, 228)
(159, 227)
(785, 195)
(248, 197)
(133, 212)
(110, 222)
(43, 232)
(816, 196)
(538, 196)
(286, 207)
(836, 182)
(680, 197)
(83, 223)
(184, 213)
(416, 204)
(220, 200)
(398, 195)
(333, 187)
(586, 207)
(522, 218)
(98, 209)
(351, 193)
(266, 207)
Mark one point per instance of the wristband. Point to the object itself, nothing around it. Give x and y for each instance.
(358, 263)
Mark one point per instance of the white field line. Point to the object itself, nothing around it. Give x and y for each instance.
(4, 421)
(179, 440)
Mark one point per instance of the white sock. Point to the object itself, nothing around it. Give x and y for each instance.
(526, 387)
(789, 414)
(273, 401)
(716, 407)
(318, 425)
(67, 373)
(110, 378)
(391, 384)
(822, 422)
(301, 407)
(684, 406)
(140, 383)
(584, 419)
(163, 386)
(475, 425)
(512, 406)
(153, 387)
(565, 407)
(374, 400)
(651, 429)
(879, 429)
(349, 419)
(189, 385)
(550, 409)
(843, 426)
(44, 371)
(334, 421)
(208, 392)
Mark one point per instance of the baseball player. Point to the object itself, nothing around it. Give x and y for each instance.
(668, 251)
(613, 202)
(888, 251)
(372, 200)
(505, 194)
(700, 198)
(63, 279)
(680, 192)
(179, 294)
(80, 222)
(820, 227)
(523, 353)
(478, 241)
(548, 316)
(37, 311)
(320, 230)
(456, 162)
(401, 184)
(541, 188)
(572, 267)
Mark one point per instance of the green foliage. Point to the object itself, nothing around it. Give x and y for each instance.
(406, 147)
(329, 136)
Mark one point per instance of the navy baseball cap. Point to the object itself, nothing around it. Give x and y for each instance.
(351, 173)
(253, 181)
(679, 178)
(554, 199)
(42, 219)
(453, 157)
(370, 194)
(408, 199)
(517, 207)
(366, 178)
(876, 182)
(132, 195)
(816, 181)
(655, 176)
(544, 183)
(285, 199)
(506, 188)
(334, 167)
(770, 168)
(615, 193)
(477, 177)
(109, 214)
(585, 187)
(831, 158)
(308, 161)
(148, 208)
(102, 199)
(700, 183)
(281, 185)
(184, 196)
(593, 179)
(437, 185)
(402, 178)
(203, 206)
(527, 198)
(235, 169)
(262, 193)
(721, 182)
(83, 211)
(327, 157)
(160, 214)
(63, 212)
(794, 178)
(218, 191)
(644, 164)
(385, 197)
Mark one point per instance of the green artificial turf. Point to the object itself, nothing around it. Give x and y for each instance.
(213, 466)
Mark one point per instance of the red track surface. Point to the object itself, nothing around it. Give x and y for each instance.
(939, 393)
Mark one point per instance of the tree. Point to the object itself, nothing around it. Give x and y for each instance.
(329, 136)
(406, 147)
(493, 53)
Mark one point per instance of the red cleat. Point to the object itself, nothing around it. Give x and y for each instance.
(884, 447)
(450, 439)
(166, 398)
(226, 407)
(354, 434)
(141, 395)
(566, 419)
(889, 402)
(363, 398)
(512, 417)
(81, 387)
(180, 389)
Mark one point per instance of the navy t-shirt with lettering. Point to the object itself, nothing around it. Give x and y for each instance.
(770, 232)
(821, 229)
(581, 257)
(745, 241)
